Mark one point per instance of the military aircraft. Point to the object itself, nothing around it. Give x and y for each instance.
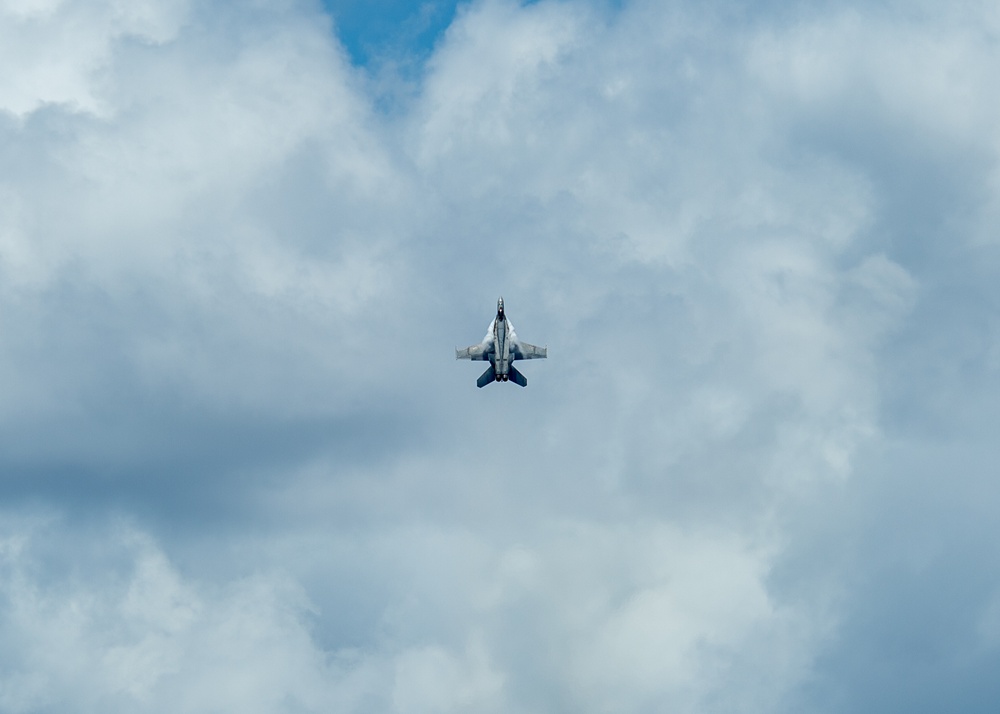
(500, 347)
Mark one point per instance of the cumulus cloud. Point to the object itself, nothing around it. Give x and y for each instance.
(116, 625)
(56, 50)
(126, 630)
(756, 241)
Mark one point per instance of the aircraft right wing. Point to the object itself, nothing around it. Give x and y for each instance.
(479, 352)
(522, 350)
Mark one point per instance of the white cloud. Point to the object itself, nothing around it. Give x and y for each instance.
(141, 635)
(54, 52)
(121, 627)
(175, 196)
(924, 72)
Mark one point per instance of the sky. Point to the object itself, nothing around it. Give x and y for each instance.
(240, 469)
(400, 32)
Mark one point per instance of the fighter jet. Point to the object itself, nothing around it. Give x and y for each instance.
(500, 347)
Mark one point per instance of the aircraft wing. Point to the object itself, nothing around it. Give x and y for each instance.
(522, 350)
(475, 352)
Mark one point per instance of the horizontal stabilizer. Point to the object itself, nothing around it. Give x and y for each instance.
(516, 377)
(488, 376)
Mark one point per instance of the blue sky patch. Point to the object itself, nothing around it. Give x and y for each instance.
(372, 29)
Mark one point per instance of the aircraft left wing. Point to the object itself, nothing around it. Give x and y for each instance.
(522, 350)
(475, 352)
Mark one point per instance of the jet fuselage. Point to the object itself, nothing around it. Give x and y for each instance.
(501, 345)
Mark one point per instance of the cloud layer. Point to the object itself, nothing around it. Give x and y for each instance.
(239, 468)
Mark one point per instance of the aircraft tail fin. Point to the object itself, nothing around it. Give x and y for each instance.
(488, 376)
(516, 377)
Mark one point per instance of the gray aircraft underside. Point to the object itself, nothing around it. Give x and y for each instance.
(500, 348)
